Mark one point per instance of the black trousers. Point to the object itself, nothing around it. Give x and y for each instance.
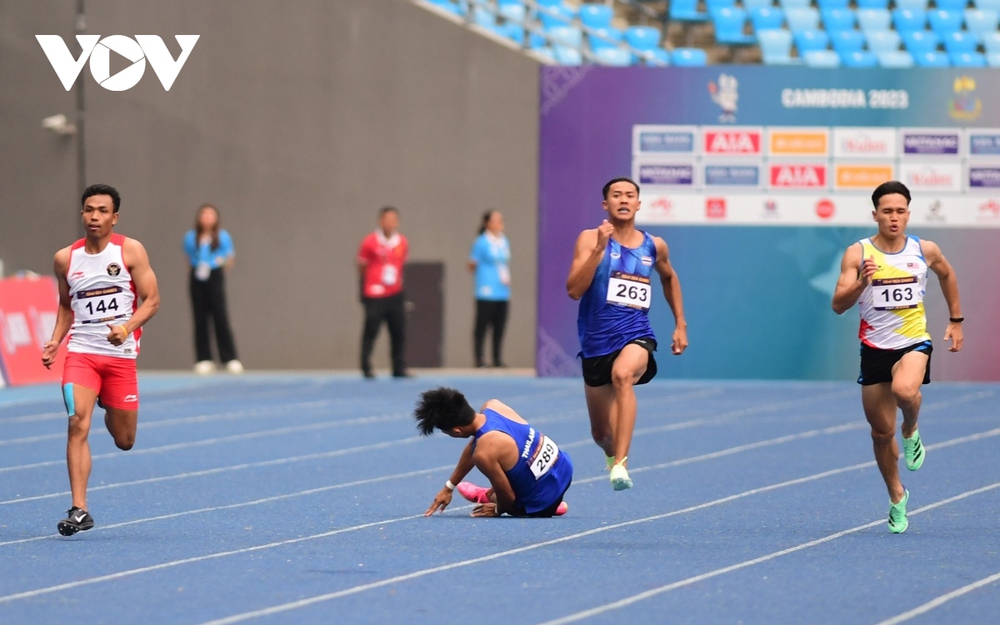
(208, 299)
(490, 314)
(388, 309)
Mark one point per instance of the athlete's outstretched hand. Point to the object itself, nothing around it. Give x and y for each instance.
(118, 335)
(868, 269)
(680, 341)
(441, 501)
(954, 334)
(485, 509)
(49, 353)
(604, 232)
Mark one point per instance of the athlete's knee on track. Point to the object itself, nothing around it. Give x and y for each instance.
(622, 378)
(124, 441)
(601, 434)
(905, 392)
(79, 426)
(882, 438)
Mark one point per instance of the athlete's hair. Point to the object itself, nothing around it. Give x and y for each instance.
(388, 209)
(486, 219)
(102, 189)
(607, 187)
(442, 408)
(893, 186)
(215, 229)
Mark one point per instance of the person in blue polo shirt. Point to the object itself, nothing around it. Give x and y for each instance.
(210, 252)
(490, 260)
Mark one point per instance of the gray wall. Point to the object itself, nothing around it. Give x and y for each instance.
(299, 120)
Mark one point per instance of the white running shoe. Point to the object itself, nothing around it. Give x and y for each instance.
(619, 476)
(204, 367)
(234, 366)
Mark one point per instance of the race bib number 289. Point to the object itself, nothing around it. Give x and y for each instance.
(629, 290)
(544, 458)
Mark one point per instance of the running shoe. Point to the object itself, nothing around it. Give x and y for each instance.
(562, 508)
(897, 514)
(473, 493)
(79, 520)
(610, 461)
(619, 476)
(913, 450)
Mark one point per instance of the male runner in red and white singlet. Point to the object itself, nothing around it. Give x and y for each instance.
(101, 279)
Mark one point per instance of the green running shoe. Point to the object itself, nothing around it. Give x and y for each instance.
(610, 461)
(897, 514)
(913, 450)
(619, 476)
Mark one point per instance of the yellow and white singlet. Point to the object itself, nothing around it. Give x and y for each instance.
(892, 306)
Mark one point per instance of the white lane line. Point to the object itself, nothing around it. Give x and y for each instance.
(748, 563)
(603, 528)
(938, 601)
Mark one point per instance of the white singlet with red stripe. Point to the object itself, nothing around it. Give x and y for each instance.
(101, 293)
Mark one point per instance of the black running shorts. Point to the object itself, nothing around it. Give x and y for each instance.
(876, 364)
(597, 370)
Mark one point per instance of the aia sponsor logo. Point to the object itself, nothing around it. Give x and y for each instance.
(715, 207)
(825, 209)
(732, 141)
(791, 176)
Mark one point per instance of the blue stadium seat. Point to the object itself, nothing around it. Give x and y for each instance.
(979, 22)
(921, 41)
(457, 8)
(767, 18)
(659, 56)
(643, 37)
(872, 4)
(596, 15)
(959, 42)
(750, 5)
(874, 19)
(555, 14)
(944, 22)
(569, 36)
(896, 59)
(775, 46)
(597, 43)
(613, 56)
(510, 3)
(484, 18)
(806, 40)
(802, 19)
(514, 15)
(714, 5)
(567, 56)
(729, 24)
(968, 59)
(991, 42)
(822, 58)
(838, 19)
(993, 59)
(912, 5)
(932, 59)
(689, 57)
(908, 20)
(987, 5)
(826, 5)
(686, 11)
(862, 58)
(847, 41)
(794, 4)
(951, 5)
(880, 41)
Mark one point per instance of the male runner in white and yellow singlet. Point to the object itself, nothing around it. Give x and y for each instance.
(887, 276)
(101, 279)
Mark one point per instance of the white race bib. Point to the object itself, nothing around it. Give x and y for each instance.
(202, 271)
(629, 290)
(99, 305)
(896, 293)
(546, 456)
(504, 274)
(389, 275)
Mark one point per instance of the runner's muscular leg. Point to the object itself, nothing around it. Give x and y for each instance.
(601, 407)
(627, 370)
(880, 410)
(80, 405)
(122, 424)
(907, 376)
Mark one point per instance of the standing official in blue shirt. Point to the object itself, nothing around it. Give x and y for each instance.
(210, 252)
(490, 260)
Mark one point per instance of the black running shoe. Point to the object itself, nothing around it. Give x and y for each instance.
(77, 521)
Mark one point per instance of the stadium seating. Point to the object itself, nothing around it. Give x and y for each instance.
(908, 20)
(750, 5)
(643, 37)
(795, 4)
(991, 42)
(838, 19)
(959, 42)
(457, 8)
(880, 41)
(993, 59)
(767, 18)
(847, 41)
(822, 58)
(944, 22)
(686, 11)
(775, 46)
(979, 22)
(596, 15)
(826, 5)
(809, 40)
(874, 19)
(598, 39)
(921, 41)
(968, 59)
(613, 56)
(689, 57)
(951, 5)
(987, 5)
(911, 5)
(859, 59)
(895, 59)
(932, 59)
(802, 18)
(729, 24)
(872, 4)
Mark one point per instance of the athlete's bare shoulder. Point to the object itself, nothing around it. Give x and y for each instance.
(505, 410)
(133, 252)
(61, 260)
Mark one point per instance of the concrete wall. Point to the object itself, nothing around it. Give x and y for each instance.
(299, 120)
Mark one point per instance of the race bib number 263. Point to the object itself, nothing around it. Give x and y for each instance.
(629, 290)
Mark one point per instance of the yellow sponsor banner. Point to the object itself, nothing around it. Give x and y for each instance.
(799, 142)
(861, 176)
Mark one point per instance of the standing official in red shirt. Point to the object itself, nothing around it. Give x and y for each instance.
(380, 262)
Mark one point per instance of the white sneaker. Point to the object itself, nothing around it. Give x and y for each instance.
(204, 367)
(234, 366)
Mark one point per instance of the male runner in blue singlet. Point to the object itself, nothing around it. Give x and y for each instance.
(528, 472)
(611, 276)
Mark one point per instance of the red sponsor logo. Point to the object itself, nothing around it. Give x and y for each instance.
(732, 142)
(662, 205)
(824, 209)
(990, 209)
(798, 176)
(715, 207)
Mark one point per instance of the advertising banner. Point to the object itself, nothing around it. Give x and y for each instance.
(28, 309)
